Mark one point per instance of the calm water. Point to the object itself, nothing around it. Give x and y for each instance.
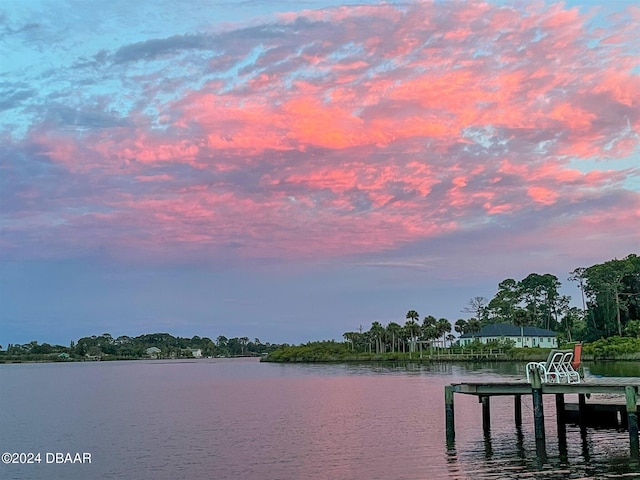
(240, 419)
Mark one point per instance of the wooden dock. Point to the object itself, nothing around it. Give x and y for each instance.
(625, 388)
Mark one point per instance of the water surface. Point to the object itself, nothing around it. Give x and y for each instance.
(241, 419)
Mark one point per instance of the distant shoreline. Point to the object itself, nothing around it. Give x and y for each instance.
(110, 360)
(353, 360)
(443, 359)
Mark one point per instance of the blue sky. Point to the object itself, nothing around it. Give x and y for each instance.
(292, 170)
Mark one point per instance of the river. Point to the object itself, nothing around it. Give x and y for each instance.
(241, 419)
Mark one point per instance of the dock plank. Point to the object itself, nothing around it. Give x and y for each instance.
(610, 385)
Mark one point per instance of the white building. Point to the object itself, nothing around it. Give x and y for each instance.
(153, 352)
(521, 336)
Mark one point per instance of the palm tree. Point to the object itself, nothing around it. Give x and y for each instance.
(429, 331)
(350, 337)
(443, 327)
(377, 332)
(393, 329)
(411, 328)
(366, 339)
(522, 318)
(404, 337)
(412, 315)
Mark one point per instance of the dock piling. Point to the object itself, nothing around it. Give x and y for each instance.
(486, 414)
(561, 427)
(560, 409)
(449, 414)
(517, 407)
(632, 417)
(538, 410)
(582, 408)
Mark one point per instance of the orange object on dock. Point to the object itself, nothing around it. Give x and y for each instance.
(577, 353)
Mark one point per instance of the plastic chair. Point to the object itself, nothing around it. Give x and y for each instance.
(566, 367)
(550, 371)
(557, 369)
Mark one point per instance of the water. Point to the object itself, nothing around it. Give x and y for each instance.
(614, 369)
(241, 419)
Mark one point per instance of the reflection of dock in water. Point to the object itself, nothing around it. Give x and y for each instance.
(604, 402)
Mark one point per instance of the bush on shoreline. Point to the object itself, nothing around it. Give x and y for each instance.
(614, 348)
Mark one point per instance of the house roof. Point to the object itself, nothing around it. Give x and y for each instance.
(509, 330)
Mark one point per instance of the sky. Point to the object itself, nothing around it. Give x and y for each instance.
(292, 170)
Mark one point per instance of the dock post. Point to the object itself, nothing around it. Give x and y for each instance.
(486, 414)
(582, 408)
(517, 405)
(562, 427)
(538, 412)
(632, 417)
(560, 409)
(449, 415)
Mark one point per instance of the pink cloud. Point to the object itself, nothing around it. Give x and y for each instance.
(542, 195)
(367, 139)
(154, 178)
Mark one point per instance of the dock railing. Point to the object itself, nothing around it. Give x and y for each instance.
(466, 354)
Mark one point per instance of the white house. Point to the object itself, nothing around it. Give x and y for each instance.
(521, 336)
(153, 352)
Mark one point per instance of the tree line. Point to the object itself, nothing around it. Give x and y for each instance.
(610, 299)
(105, 346)
(401, 338)
(610, 294)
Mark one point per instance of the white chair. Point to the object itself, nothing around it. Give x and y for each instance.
(550, 371)
(567, 369)
(557, 368)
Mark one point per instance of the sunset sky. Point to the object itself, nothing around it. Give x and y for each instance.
(291, 170)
